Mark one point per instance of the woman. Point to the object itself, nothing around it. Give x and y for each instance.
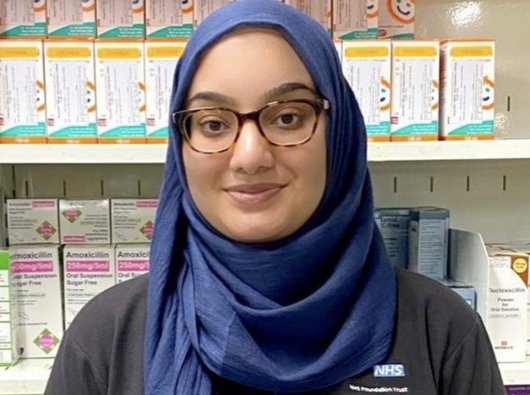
(267, 273)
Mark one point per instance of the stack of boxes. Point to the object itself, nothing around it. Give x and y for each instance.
(61, 254)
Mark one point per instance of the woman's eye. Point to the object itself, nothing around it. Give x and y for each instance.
(288, 119)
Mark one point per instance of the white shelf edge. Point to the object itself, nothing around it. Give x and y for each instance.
(515, 373)
(156, 153)
(29, 376)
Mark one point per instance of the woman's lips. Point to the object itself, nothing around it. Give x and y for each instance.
(253, 194)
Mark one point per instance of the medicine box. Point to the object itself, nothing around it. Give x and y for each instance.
(415, 90)
(355, 19)
(84, 221)
(37, 281)
(22, 102)
(320, 11)
(203, 8)
(133, 220)
(464, 290)
(396, 19)
(366, 64)
(70, 91)
(32, 221)
(120, 19)
(500, 280)
(67, 18)
(88, 271)
(168, 18)
(120, 93)
(132, 260)
(428, 241)
(10, 349)
(161, 58)
(23, 18)
(467, 89)
(394, 226)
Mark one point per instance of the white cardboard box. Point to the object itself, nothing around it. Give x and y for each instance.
(88, 271)
(168, 18)
(120, 19)
(133, 220)
(37, 281)
(132, 260)
(23, 18)
(9, 328)
(32, 221)
(67, 18)
(84, 221)
(396, 19)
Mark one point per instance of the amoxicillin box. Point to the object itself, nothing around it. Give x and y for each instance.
(31, 221)
(133, 220)
(23, 18)
(161, 58)
(355, 19)
(132, 260)
(84, 221)
(366, 64)
(168, 18)
(120, 19)
(37, 282)
(9, 329)
(120, 93)
(467, 89)
(415, 90)
(67, 18)
(70, 91)
(88, 271)
(396, 19)
(22, 102)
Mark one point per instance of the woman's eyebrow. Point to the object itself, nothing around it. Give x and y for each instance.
(284, 88)
(211, 96)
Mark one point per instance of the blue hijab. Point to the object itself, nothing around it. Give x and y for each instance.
(298, 314)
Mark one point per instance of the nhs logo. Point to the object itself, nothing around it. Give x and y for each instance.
(389, 370)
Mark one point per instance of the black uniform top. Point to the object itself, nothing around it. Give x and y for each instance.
(440, 347)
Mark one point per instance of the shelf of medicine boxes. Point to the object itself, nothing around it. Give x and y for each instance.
(156, 153)
(29, 376)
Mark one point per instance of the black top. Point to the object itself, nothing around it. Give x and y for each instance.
(440, 347)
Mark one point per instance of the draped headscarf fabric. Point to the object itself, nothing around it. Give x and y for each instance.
(297, 314)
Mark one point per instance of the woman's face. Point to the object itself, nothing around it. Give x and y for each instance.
(255, 192)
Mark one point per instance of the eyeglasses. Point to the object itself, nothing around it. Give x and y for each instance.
(285, 123)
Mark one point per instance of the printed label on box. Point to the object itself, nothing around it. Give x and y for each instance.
(168, 18)
(68, 18)
(131, 261)
(32, 221)
(84, 221)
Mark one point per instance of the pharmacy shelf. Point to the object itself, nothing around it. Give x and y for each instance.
(156, 153)
(29, 376)
(516, 373)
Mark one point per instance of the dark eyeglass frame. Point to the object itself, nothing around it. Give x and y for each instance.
(318, 105)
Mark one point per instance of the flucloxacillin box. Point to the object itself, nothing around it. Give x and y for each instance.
(467, 89)
(168, 18)
(10, 349)
(396, 19)
(120, 19)
(161, 58)
(67, 18)
(355, 19)
(120, 93)
(23, 18)
(37, 283)
(70, 91)
(366, 64)
(31, 221)
(132, 260)
(507, 305)
(22, 102)
(84, 221)
(203, 8)
(415, 90)
(88, 271)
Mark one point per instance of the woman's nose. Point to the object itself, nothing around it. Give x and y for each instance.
(252, 152)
